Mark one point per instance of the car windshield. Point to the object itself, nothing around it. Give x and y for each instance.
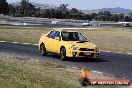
(73, 36)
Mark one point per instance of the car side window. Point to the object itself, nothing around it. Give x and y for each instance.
(51, 35)
(57, 34)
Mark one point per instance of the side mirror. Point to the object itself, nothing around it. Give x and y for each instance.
(57, 38)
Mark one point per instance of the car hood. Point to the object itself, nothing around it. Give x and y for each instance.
(83, 45)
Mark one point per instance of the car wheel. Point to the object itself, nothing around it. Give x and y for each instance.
(63, 54)
(43, 51)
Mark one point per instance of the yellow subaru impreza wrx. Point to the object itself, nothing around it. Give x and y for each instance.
(67, 44)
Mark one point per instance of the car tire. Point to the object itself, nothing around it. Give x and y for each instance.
(43, 51)
(63, 54)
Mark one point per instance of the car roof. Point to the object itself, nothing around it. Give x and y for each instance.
(60, 30)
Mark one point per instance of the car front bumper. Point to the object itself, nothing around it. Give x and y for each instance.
(90, 54)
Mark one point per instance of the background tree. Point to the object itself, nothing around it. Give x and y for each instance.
(130, 15)
(4, 7)
(94, 16)
(38, 12)
(100, 16)
(107, 15)
(128, 19)
(26, 9)
(121, 17)
(12, 10)
(114, 17)
(75, 14)
(86, 17)
(63, 11)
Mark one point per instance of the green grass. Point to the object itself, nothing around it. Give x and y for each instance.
(24, 73)
(29, 35)
(8, 22)
(111, 39)
(108, 39)
(16, 73)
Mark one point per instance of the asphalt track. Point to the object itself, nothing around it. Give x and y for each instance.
(44, 25)
(120, 65)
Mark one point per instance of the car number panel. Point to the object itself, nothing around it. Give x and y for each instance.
(87, 53)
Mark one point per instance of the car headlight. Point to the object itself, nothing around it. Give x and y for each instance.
(74, 47)
(97, 49)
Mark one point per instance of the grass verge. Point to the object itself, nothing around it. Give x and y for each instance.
(111, 39)
(22, 35)
(16, 73)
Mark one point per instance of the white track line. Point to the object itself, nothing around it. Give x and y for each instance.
(74, 68)
(35, 44)
(27, 43)
(15, 42)
(129, 53)
(97, 72)
(119, 52)
(2, 41)
(19, 43)
(108, 51)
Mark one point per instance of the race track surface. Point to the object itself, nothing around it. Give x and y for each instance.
(120, 65)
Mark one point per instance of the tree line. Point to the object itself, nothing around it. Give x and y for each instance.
(26, 9)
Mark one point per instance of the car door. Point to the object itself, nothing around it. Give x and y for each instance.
(56, 43)
(49, 41)
(53, 44)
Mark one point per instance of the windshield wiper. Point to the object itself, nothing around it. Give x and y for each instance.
(82, 41)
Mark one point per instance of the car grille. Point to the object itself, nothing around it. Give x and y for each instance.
(86, 49)
(82, 54)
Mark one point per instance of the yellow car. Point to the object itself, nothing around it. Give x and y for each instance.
(67, 44)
